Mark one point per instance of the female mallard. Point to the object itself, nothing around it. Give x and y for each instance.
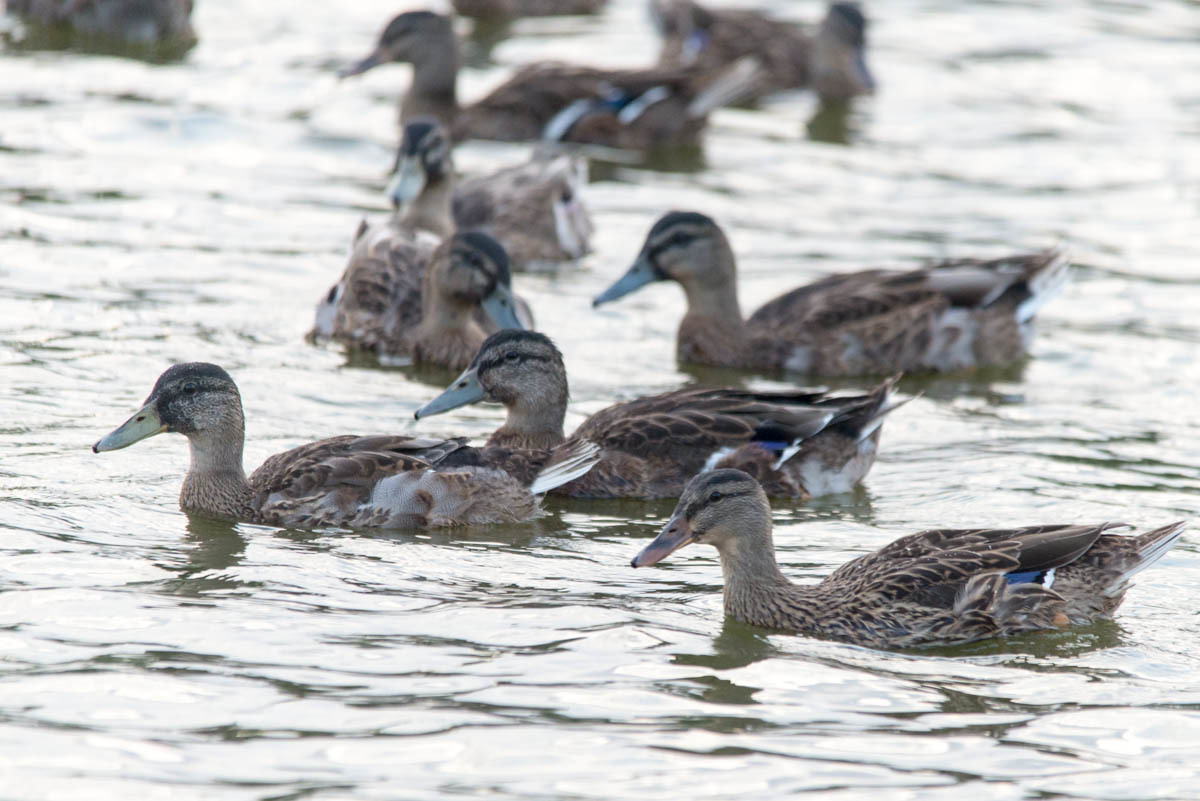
(533, 209)
(799, 444)
(950, 316)
(830, 60)
(635, 109)
(391, 302)
(940, 587)
(139, 23)
(524, 8)
(377, 481)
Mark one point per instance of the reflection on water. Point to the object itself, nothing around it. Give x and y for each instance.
(197, 209)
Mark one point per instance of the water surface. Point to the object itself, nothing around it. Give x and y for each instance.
(196, 210)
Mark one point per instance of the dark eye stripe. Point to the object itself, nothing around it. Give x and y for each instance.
(695, 507)
(496, 361)
(674, 239)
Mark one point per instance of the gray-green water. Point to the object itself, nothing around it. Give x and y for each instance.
(159, 213)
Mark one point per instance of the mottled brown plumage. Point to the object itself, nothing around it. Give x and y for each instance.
(950, 316)
(828, 60)
(374, 481)
(535, 210)
(798, 443)
(633, 109)
(400, 297)
(935, 587)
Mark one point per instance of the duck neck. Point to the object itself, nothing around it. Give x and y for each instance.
(535, 417)
(431, 210)
(756, 592)
(216, 482)
(713, 330)
(434, 85)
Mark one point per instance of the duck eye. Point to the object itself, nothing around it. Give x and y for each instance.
(511, 356)
(714, 496)
(190, 388)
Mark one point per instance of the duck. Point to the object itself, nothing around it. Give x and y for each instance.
(830, 60)
(799, 443)
(381, 481)
(954, 315)
(535, 210)
(525, 8)
(136, 23)
(398, 298)
(635, 109)
(937, 587)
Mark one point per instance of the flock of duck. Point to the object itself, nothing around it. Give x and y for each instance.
(433, 284)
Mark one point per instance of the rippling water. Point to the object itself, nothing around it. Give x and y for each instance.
(196, 211)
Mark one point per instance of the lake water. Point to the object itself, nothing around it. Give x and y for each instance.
(196, 210)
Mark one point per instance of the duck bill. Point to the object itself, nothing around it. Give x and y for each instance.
(144, 423)
(465, 389)
(373, 59)
(501, 307)
(865, 79)
(675, 534)
(407, 182)
(641, 273)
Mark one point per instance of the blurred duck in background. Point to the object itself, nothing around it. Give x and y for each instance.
(535, 210)
(143, 25)
(830, 60)
(631, 109)
(953, 315)
(400, 297)
(525, 8)
(798, 443)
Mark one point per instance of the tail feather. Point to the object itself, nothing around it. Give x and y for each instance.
(886, 406)
(734, 84)
(1151, 547)
(1045, 283)
(794, 446)
(578, 459)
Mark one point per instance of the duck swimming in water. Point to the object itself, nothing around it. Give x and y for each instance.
(633, 109)
(954, 315)
(799, 443)
(380, 481)
(938, 587)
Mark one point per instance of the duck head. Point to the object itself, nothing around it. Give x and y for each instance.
(683, 246)
(726, 509)
(194, 399)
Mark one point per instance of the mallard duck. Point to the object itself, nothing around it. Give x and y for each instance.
(798, 443)
(634, 109)
(534, 209)
(377, 481)
(829, 60)
(524, 8)
(395, 298)
(938, 587)
(141, 23)
(950, 316)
